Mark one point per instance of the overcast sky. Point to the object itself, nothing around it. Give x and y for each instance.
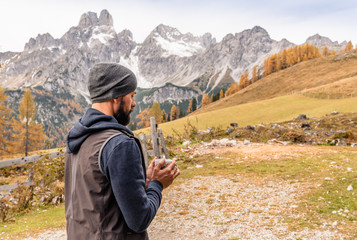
(294, 20)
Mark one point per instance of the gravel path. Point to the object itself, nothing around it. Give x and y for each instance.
(233, 206)
(220, 208)
(225, 208)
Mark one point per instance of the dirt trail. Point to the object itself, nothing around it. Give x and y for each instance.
(234, 206)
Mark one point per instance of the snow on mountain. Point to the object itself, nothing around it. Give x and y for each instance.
(181, 48)
(103, 34)
(165, 56)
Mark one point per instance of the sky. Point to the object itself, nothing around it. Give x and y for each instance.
(294, 20)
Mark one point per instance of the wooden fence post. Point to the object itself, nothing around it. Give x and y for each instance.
(155, 139)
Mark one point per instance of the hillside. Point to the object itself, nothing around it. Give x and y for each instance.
(321, 75)
(273, 110)
(314, 88)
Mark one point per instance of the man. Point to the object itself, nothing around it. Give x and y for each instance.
(109, 193)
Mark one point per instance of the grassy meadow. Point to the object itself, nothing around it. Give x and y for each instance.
(278, 109)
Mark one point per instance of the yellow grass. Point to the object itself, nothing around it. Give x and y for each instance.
(297, 79)
(267, 111)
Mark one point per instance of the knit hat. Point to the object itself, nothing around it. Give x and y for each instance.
(109, 81)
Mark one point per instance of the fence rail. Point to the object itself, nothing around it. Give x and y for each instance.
(33, 158)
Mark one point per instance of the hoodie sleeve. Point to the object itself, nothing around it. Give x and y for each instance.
(122, 165)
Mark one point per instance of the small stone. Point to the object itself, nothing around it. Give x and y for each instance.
(199, 166)
(328, 179)
(229, 130)
(302, 117)
(249, 127)
(349, 169)
(234, 125)
(186, 143)
(349, 188)
(246, 142)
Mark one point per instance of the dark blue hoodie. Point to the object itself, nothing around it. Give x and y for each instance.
(121, 162)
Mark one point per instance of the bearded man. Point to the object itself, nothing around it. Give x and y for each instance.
(109, 193)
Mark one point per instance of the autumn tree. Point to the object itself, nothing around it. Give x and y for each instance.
(211, 98)
(173, 115)
(28, 134)
(155, 111)
(348, 47)
(325, 51)
(221, 94)
(4, 123)
(205, 100)
(255, 74)
(144, 118)
(163, 115)
(189, 109)
(284, 59)
(244, 81)
(179, 112)
(232, 89)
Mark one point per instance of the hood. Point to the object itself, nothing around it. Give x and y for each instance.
(92, 121)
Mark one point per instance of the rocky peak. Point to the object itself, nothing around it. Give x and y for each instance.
(321, 41)
(125, 34)
(88, 19)
(207, 40)
(105, 18)
(41, 41)
(166, 32)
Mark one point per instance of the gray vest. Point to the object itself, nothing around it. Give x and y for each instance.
(91, 208)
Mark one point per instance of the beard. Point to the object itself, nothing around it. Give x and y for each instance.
(121, 116)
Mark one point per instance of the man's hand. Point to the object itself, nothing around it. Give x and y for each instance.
(149, 172)
(166, 175)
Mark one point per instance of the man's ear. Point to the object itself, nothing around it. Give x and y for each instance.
(117, 100)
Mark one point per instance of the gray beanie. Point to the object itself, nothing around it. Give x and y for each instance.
(109, 81)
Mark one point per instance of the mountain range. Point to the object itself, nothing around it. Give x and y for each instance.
(171, 67)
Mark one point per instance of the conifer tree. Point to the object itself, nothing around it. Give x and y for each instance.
(205, 100)
(221, 94)
(348, 47)
(155, 111)
(28, 134)
(179, 112)
(211, 98)
(325, 51)
(244, 81)
(255, 74)
(163, 115)
(144, 118)
(284, 59)
(4, 124)
(194, 104)
(173, 115)
(189, 109)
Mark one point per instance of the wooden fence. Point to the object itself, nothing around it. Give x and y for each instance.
(157, 140)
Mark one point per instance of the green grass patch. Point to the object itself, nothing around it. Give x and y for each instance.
(34, 222)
